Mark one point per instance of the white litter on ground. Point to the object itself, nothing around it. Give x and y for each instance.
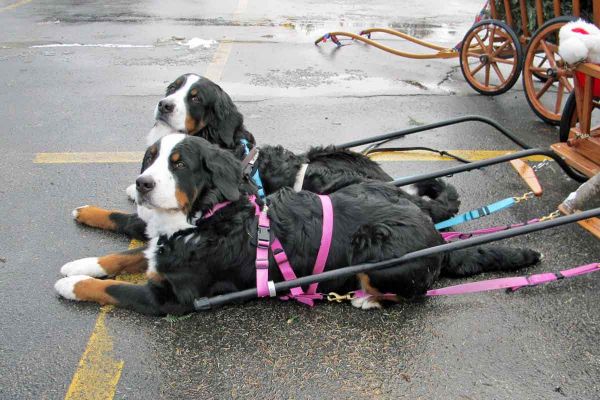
(109, 45)
(197, 42)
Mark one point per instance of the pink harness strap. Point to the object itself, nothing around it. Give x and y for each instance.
(266, 288)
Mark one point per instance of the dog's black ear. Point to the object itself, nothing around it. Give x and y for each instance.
(226, 173)
(228, 119)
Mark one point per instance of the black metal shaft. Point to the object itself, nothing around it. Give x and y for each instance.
(440, 124)
(207, 303)
(491, 161)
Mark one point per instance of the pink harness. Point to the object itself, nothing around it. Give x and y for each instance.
(264, 286)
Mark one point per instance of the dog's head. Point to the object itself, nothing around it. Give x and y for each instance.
(196, 106)
(186, 173)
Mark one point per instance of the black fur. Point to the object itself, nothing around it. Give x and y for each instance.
(372, 222)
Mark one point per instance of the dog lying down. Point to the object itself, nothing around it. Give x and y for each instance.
(216, 255)
(197, 106)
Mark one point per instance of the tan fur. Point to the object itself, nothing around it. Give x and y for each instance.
(95, 290)
(96, 217)
(132, 263)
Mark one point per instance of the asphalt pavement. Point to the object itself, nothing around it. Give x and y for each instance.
(85, 77)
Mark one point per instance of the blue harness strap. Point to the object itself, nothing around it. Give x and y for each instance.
(255, 175)
(478, 213)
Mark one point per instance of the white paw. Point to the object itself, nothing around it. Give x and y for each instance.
(131, 192)
(76, 211)
(365, 303)
(66, 286)
(84, 266)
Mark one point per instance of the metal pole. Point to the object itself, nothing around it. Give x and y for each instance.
(206, 303)
(440, 124)
(491, 161)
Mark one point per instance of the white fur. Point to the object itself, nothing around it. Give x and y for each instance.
(365, 303)
(176, 118)
(575, 46)
(131, 192)
(165, 222)
(65, 286)
(75, 212)
(411, 189)
(85, 266)
(163, 194)
(159, 130)
(150, 254)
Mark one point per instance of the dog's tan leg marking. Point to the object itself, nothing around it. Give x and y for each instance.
(129, 262)
(95, 217)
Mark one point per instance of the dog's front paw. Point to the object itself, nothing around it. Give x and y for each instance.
(67, 287)
(365, 303)
(131, 192)
(85, 266)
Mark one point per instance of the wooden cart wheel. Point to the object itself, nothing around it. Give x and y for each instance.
(545, 79)
(491, 57)
(569, 117)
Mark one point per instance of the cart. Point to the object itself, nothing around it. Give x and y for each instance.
(505, 41)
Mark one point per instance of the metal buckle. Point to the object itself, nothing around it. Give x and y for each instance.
(526, 196)
(333, 296)
(550, 216)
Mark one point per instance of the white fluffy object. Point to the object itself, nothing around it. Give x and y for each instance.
(579, 41)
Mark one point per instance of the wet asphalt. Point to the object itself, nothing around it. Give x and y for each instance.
(538, 343)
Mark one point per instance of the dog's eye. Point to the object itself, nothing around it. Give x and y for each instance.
(179, 165)
(195, 99)
(170, 89)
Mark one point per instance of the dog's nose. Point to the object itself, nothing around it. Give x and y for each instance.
(165, 107)
(144, 184)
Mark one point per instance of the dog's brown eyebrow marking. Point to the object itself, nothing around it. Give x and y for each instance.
(194, 92)
(178, 81)
(153, 149)
(175, 157)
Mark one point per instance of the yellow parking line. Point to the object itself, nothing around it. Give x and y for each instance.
(98, 372)
(471, 155)
(15, 5)
(89, 158)
(136, 156)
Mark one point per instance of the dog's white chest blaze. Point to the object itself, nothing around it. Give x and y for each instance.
(160, 222)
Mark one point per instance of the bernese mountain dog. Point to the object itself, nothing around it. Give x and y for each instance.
(188, 257)
(196, 106)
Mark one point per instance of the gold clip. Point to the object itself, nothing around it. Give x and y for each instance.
(333, 296)
(526, 196)
(550, 216)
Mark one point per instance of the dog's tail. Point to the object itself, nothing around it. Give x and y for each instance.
(476, 260)
(437, 198)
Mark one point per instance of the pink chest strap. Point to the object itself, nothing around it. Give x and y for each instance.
(265, 287)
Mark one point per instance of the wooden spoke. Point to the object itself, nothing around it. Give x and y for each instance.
(549, 54)
(499, 49)
(483, 47)
(538, 70)
(470, 54)
(487, 74)
(566, 83)
(510, 61)
(492, 37)
(544, 88)
(498, 72)
(559, 95)
(476, 70)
